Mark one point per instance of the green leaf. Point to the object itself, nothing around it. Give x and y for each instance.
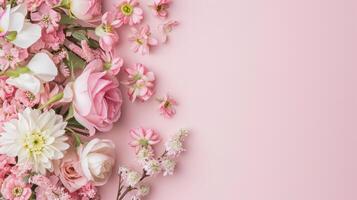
(16, 73)
(77, 140)
(66, 20)
(70, 113)
(74, 61)
(80, 35)
(93, 43)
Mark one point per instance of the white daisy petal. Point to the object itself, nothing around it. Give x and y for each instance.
(33, 145)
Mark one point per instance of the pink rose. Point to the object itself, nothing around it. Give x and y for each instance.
(86, 10)
(97, 98)
(70, 172)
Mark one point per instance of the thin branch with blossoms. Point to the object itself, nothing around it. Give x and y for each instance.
(131, 180)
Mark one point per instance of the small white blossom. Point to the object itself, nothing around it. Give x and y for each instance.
(132, 178)
(143, 190)
(152, 167)
(135, 197)
(174, 146)
(123, 171)
(145, 154)
(168, 166)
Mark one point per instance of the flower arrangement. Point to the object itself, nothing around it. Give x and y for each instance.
(59, 88)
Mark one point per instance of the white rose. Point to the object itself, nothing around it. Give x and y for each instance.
(97, 160)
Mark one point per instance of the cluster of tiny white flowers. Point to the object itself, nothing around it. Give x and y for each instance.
(174, 146)
(143, 190)
(130, 177)
(168, 166)
(152, 167)
(144, 154)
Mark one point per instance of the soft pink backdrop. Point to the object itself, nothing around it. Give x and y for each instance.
(268, 88)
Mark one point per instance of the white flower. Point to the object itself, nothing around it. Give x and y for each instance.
(143, 190)
(168, 166)
(19, 32)
(174, 146)
(144, 154)
(36, 138)
(97, 160)
(123, 171)
(152, 167)
(41, 69)
(132, 178)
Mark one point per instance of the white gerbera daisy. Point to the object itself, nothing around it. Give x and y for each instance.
(35, 138)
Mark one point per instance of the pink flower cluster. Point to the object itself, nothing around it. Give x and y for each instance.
(59, 86)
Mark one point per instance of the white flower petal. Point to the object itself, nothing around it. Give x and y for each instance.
(26, 82)
(17, 21)
(28, 35)
(5, 20)
(21, 8)
(43, 67)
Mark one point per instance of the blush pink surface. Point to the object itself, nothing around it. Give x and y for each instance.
(268, 90)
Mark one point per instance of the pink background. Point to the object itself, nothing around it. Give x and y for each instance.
(268, 88)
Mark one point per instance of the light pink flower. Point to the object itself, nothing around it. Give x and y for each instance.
(166, 107)
(52, 40)
(97, 98)
(50, 90)
(48, 188)
(7, 92)
(160, 7)
(143, 138)
(70, 172)
(88, 191)
(129, 12)
(26, 98)
(87, 10)
(142, 40)
(166, 28)
(112, 64)
(14, 188)
(47, 18)
(140, 82)
(11, 56)
(8, 111)
(108, 37)
(6, 164)
(33, 4)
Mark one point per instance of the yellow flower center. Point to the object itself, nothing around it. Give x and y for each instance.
(30, 96)
(46, 19)
(167, 104)
(17, 191)
(1, 30)
(139, 41)
(107, 28)
(126, 9)
(34, 143)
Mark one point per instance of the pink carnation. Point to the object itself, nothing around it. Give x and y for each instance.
(140, 82)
